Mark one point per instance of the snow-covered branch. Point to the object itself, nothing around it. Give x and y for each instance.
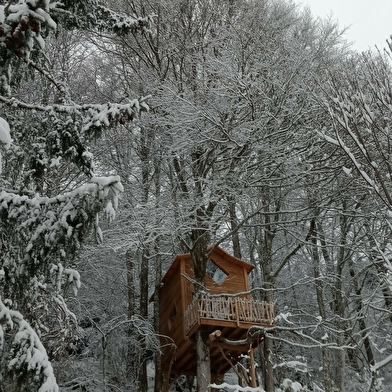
(21, 24)
(94, 115)
(44, 222)
(28, 355)
(381, 364)
(24, 26)
(236, 388)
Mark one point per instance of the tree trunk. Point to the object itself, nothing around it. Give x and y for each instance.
(320, 300)
(361, 320)
(146, 137)
(143, 384)
(158, 359)
(268, 347)
(158, 278)
(199, 258)
(203, 361)
(382, 271)
(200, 240)
(338, 303)
(269, 284)
(233, 228)
(131, 365)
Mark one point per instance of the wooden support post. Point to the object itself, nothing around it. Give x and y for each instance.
(252, 367)
(166, 374)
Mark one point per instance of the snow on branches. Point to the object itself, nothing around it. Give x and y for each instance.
(5, 136)
(29, 357)
(236, 388)
(64, 130)
(21, 24)
(51, 228)
(105, 19)
(25, 24)
(50, 198)
(40, 236)
(359, 110)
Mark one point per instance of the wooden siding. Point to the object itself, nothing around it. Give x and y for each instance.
(176, 294)
(236, 281)
(172, 309)
(181, 314)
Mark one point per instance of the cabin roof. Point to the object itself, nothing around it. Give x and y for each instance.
(216, 251)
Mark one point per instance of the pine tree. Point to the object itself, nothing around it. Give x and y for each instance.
(50, 198)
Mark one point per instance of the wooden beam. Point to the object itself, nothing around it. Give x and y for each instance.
(215, 334)
(237, 349)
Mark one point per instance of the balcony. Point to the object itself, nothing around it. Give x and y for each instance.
(227, 312)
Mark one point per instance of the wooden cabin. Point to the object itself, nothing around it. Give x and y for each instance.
(181, 315)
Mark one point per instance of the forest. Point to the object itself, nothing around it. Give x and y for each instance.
(133, 131)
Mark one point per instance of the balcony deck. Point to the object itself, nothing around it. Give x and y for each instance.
(233, 317)
(227, 312)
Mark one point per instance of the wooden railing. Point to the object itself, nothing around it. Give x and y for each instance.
(239, 310)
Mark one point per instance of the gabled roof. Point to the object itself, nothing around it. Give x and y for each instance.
(214, 251)
(218, 250)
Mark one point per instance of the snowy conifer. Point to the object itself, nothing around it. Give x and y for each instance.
(50, 197)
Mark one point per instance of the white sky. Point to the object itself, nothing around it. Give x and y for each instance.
(370, 20)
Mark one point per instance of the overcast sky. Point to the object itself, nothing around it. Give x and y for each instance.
(370, 20)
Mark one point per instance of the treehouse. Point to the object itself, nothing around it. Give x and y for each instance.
(226, 311)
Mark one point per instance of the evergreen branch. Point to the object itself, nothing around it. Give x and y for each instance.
(113, 110)
(28, 355)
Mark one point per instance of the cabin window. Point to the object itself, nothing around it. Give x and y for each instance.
(216, 273)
